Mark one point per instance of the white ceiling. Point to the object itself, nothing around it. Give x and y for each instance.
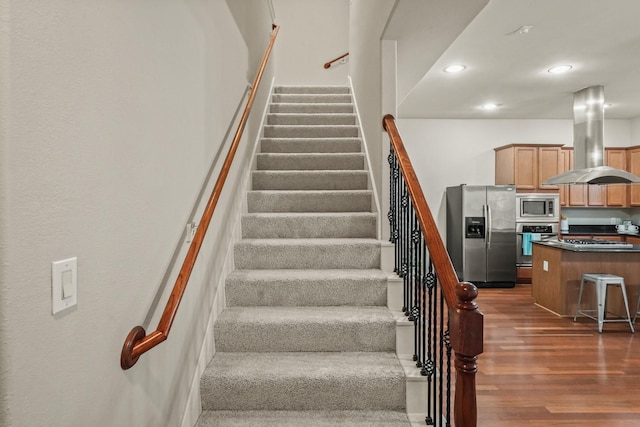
(600, 38)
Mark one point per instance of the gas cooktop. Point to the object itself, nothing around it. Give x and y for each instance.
(596, 243)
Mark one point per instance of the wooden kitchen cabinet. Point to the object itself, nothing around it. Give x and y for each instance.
(527, 166)
(596, 195)
(617, 194)
(565, 165)
(549, 165)
(574, 195)
(610, 195)
(633, 166)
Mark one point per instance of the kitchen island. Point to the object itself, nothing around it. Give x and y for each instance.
(557, 271)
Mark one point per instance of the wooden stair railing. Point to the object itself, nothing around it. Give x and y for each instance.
(138, 342)
(465, 320)
(330, 63)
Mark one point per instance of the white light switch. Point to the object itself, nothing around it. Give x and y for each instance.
(67, 284)
(64, 284)
(545, 265)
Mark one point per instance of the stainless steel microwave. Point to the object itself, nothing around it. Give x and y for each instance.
(532, 206)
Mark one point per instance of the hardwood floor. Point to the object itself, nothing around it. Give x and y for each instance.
(539, 369)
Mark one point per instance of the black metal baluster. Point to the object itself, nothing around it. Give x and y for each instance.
(441, 360)
(423, 301)
(410, 217)
(429, 368)
(415, 282)
(405, 248)
(436, 345)
(396, 216)
(419, 296)
(391, 160)
(447, 343)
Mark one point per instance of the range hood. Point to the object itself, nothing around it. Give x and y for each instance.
(588, 144)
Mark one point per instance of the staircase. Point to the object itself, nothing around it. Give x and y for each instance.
(306, 338)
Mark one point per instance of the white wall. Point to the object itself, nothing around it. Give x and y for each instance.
(368, 18)
(254, 21)
(4, 167)
(635, 131)
(451, 152)
(111, 113)
(311, 33)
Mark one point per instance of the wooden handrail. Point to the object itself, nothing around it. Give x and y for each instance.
(138, 342)
(465, 319)
(330, 63)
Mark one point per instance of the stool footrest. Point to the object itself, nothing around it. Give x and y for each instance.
(618, 318)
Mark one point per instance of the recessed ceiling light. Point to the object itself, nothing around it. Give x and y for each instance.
(559, 69)
(489, 106)
(454, 68)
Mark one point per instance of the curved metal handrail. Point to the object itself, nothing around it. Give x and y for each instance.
(138, 342)
(466, 320)
(330, 63)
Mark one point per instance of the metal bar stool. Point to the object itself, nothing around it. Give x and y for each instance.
(602, 281)
(635, 316)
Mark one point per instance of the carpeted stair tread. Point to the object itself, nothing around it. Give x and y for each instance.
(308, 225)
(301, 119)
(310, 131)
(309, 201)
(303, 381)
(242, 329)
(303, 418)
(311, 145)
(323, 98)
(310, 180)
(311, 107)
(255, 254)
(301, 89)
(306, 288)
(310, 161)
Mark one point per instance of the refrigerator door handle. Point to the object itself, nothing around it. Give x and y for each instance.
(489, 225)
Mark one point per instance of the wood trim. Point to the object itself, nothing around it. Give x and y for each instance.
(137, 342)
(465, 319)
(330, 63)
(527, 145)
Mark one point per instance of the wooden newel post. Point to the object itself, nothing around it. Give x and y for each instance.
(466, 325)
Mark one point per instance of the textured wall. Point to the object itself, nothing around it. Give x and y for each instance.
(312, 33)
(4, 137)
(110, 115)
(367, 22)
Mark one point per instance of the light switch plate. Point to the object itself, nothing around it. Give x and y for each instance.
(64, 284)
(545, 265)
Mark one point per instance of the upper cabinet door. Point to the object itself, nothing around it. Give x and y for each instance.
(633, 164)
(550, 163)
(617, 194)
(565, 165)
(578, 192)
(526, 170)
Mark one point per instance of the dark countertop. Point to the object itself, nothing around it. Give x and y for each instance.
(586, 248)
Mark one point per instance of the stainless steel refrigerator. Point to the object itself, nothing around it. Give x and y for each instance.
(481, 234)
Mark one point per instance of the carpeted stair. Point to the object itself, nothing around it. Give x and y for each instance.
(306, 338)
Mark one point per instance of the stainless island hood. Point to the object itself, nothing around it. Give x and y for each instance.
(588, 144)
